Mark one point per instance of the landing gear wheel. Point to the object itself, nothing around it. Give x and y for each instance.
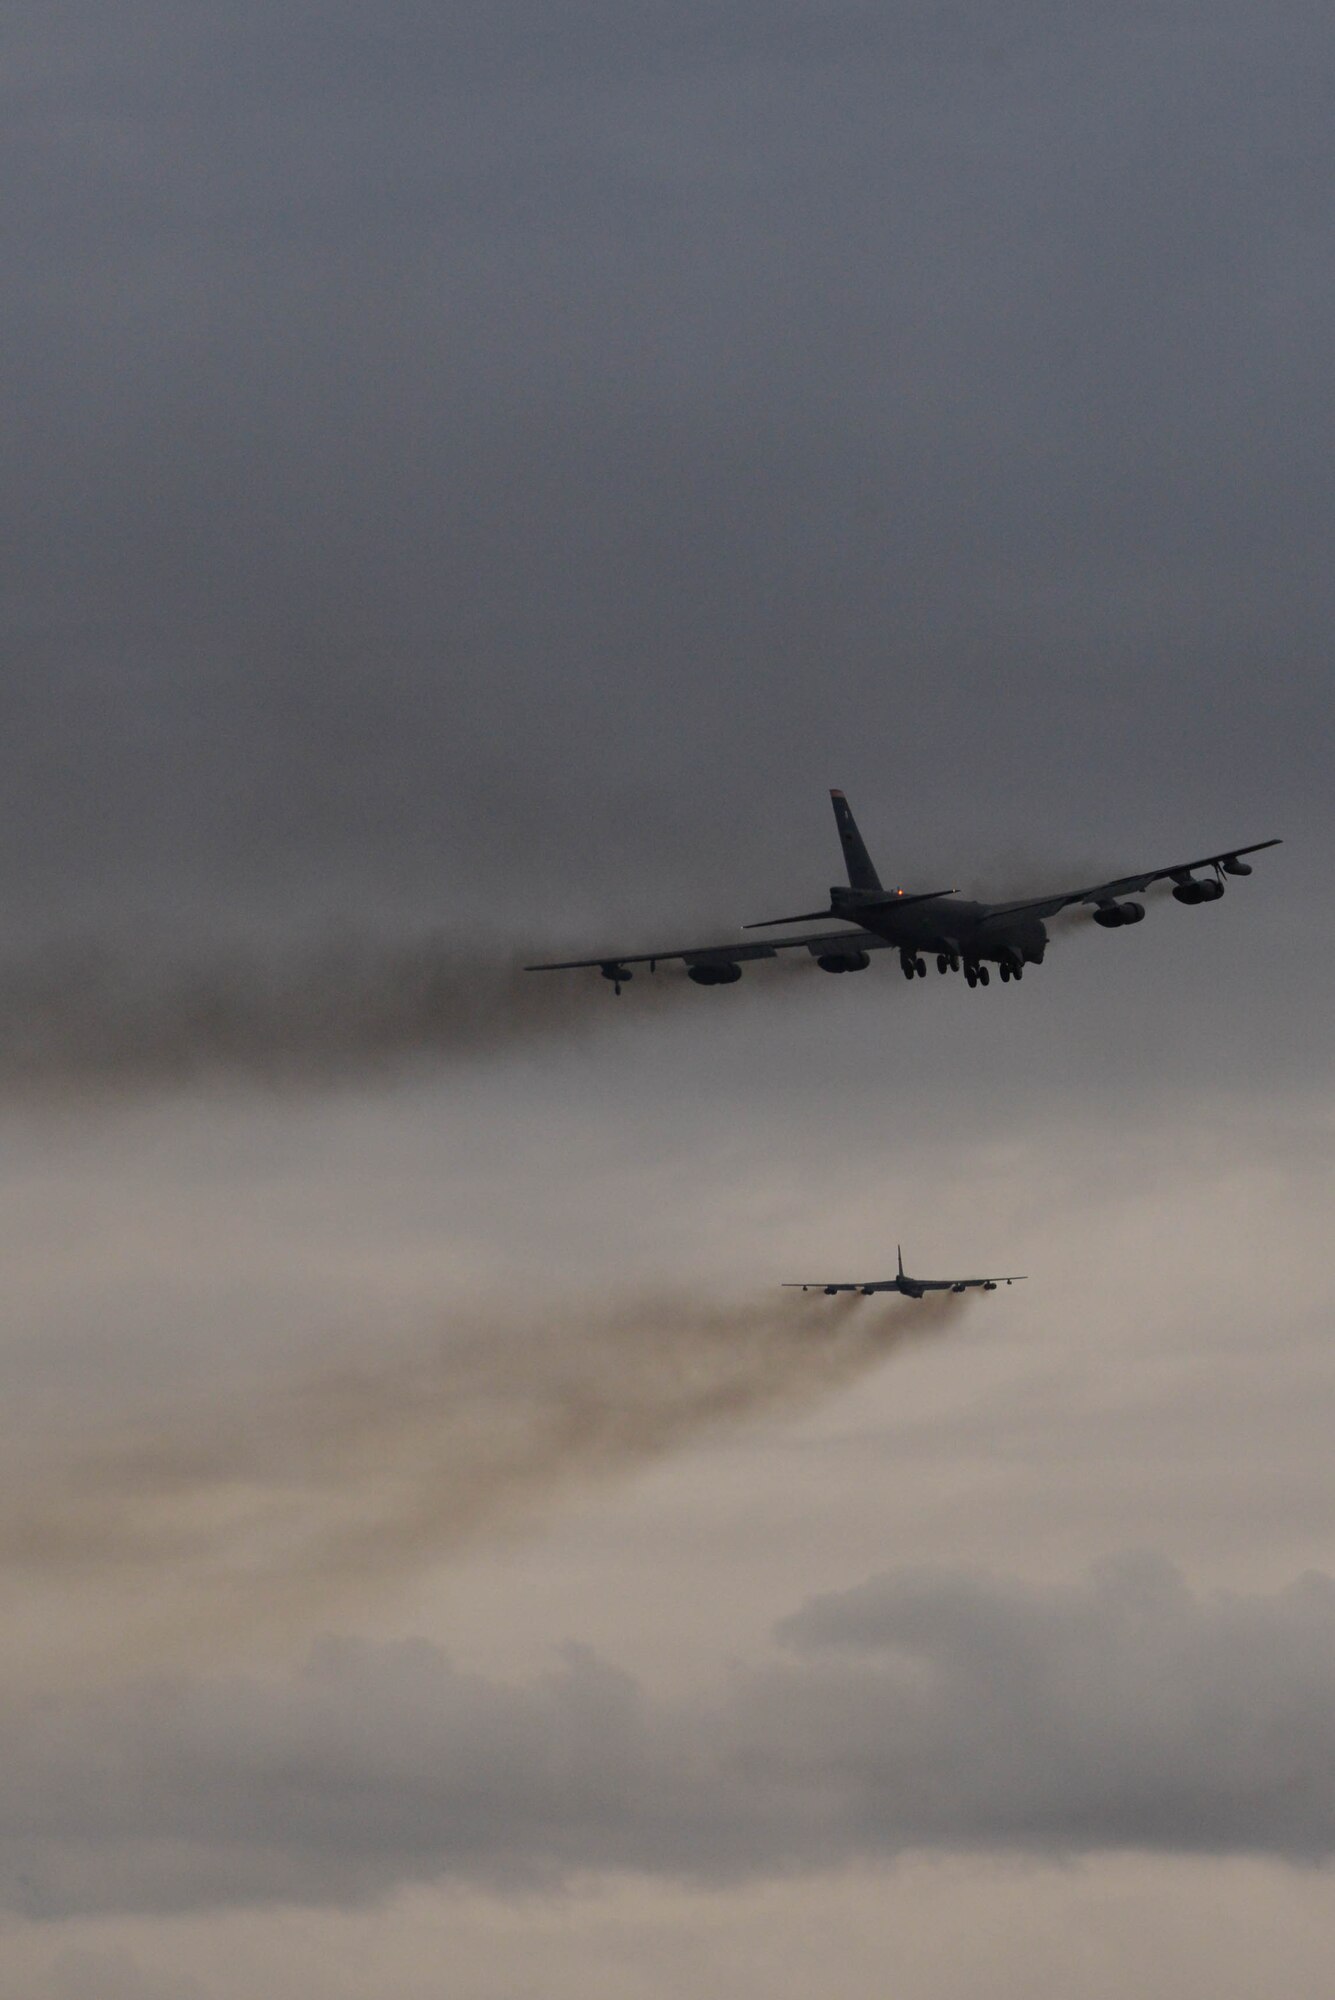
(971, 975)
(1004, 970)
(942, 962)
(983, 975)
(906, 967)
(1018, 972)
(920, 967)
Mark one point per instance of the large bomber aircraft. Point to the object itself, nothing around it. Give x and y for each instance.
(961, 935)
(908, 1288)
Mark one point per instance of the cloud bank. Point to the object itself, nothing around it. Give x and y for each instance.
(939, 1711)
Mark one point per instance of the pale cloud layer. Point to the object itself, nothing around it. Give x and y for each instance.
(1081, 1928)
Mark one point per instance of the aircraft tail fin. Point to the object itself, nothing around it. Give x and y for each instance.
(901, 1259)
(861, 873)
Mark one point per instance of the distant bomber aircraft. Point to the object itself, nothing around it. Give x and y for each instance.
(908, 1288)
(960, 934)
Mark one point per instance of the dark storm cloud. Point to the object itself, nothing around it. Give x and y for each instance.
(457, 454)
(923, 1711)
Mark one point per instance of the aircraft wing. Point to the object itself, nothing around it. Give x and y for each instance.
(1227, 860)
(720, 954)
(839, 1285)
(969, 1284)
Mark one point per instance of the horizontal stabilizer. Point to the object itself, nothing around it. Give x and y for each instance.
(863, 906)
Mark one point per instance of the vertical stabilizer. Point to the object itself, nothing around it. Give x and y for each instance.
(861, 874)
(901, 1260)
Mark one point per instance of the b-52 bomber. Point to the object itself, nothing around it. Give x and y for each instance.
(908, 1288)
(961, 935)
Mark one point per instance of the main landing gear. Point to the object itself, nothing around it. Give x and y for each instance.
(975, 972)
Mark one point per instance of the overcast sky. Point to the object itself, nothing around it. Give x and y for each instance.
(473, 482)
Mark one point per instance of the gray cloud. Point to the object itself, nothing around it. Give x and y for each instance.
(489, 480)
(506, 459)
(920, 1711)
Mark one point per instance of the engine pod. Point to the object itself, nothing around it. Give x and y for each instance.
(714, 975)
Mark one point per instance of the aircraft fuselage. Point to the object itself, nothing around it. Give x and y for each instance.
(953, 926)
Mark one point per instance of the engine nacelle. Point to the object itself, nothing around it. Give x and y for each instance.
(1232, 866)
(714, 975)
(1113, 915)
(1206, 890)
(843, 961)
(990, 1286)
